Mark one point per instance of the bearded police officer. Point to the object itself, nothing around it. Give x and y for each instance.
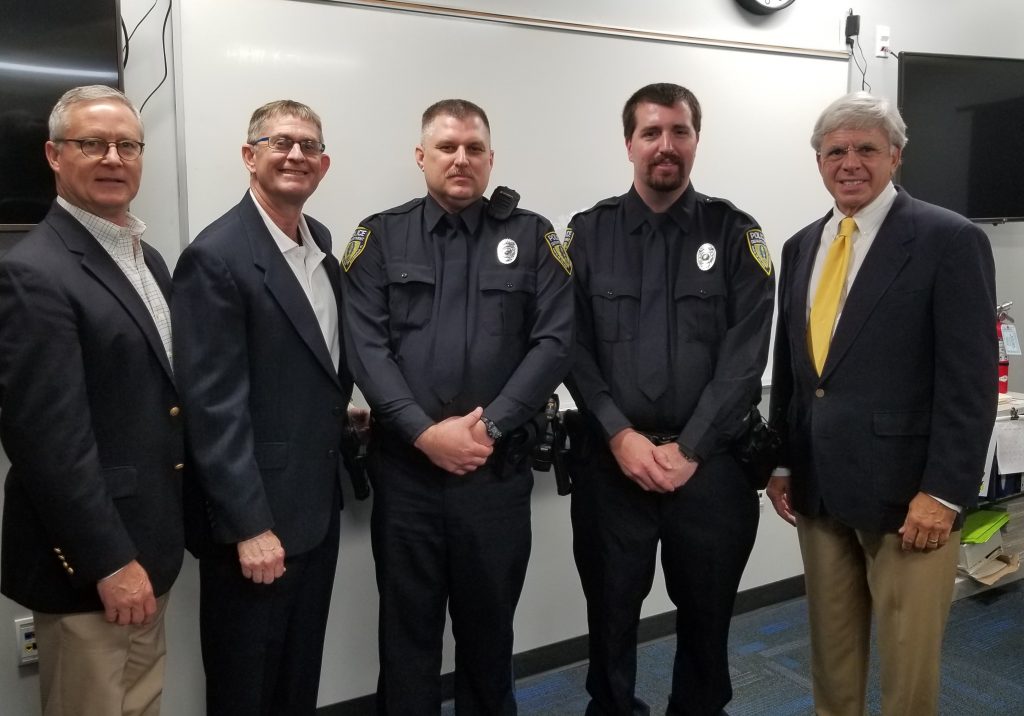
(459, 325)
(674, 295)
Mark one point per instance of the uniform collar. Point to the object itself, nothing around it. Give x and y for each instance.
(681, 212)
(471, 215)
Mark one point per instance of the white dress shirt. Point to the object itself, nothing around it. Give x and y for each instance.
(306, 262)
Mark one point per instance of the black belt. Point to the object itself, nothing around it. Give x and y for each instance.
(659, 438)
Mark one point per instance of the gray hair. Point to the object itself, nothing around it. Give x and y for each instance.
(58, 123)
(860, 110)
(281, 108)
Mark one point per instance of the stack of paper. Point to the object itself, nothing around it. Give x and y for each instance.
(979, 526)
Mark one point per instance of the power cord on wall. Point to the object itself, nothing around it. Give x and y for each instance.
(853, 43)
(163, 44)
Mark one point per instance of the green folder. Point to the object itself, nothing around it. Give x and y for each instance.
(979, 526)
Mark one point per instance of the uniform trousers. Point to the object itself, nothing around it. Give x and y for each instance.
(262, 644)
(706, 530)
(90, 667)
(852, 574)
(442, 539)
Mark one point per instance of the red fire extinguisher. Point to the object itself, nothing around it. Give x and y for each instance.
(1003, 316)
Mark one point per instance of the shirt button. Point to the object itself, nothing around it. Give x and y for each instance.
(819, 393)
(180, 466)
(509, 285)
(610, 292)
(405, 275)
(175, 411)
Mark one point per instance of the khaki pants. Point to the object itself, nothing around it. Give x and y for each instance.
(90, 667)
(852, 575)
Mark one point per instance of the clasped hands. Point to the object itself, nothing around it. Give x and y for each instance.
(655, 468)
(459, 444)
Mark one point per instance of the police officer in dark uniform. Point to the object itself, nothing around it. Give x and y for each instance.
(674, 294)
(459, 325)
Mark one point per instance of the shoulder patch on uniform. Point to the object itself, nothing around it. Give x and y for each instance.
(759, 250)
(567, 240)
(558, 251)
(355, 247)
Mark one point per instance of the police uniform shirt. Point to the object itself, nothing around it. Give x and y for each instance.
(720, 295)
(519, 314)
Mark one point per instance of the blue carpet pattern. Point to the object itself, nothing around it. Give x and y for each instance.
(982, 672)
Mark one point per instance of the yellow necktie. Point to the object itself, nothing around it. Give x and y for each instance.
(830, 288)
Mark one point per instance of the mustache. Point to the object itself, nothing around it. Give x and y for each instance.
(671, 158)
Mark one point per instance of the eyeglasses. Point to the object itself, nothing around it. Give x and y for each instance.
(864, 152)
(96, 148)
(283, 144)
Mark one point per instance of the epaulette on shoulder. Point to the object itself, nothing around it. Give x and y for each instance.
(610, 202)
(717, 200)
(402, 208)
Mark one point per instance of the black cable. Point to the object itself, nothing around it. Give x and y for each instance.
(863, 70)
(128, 36)
(163, 47)
(124, 34)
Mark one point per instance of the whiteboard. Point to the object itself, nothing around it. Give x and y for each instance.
(554, 99)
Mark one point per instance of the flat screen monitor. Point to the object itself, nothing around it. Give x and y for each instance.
(964, 123)
(46, 48)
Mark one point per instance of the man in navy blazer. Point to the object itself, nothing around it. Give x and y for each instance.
(884, 438)
(259, 361)
(92, 526)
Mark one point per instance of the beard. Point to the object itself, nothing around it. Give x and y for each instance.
(665, 183)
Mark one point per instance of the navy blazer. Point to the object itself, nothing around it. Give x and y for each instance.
(89, 419)
(907, 397)
(266, 408)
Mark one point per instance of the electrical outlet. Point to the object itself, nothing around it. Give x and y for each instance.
(25, 634)
(883, 41)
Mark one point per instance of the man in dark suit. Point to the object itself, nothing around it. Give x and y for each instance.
(884, 390)
(92, 527)
(259, 361)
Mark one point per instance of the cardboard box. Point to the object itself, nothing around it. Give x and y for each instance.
(974, 556)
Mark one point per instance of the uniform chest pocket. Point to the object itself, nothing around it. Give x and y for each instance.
(506, 298)
(616, 304)
(410, 294)
(700, 308)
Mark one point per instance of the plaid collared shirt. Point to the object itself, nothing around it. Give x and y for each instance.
(123, 243)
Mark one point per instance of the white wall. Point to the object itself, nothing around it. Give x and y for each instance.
(552, 604)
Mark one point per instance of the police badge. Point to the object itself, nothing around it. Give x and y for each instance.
(507, 251)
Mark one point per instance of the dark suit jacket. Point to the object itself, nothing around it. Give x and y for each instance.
(86, 399)
(266, 408)
(907, 397)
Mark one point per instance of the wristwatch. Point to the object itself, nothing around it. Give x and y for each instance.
(689, 454)
(492, 430)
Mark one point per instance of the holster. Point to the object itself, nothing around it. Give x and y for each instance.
(757, 449)
(353, 455)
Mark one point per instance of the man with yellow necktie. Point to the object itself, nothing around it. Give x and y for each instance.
(884, 391)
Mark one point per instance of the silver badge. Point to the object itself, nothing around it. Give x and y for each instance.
(706, 256)
(507, 251)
